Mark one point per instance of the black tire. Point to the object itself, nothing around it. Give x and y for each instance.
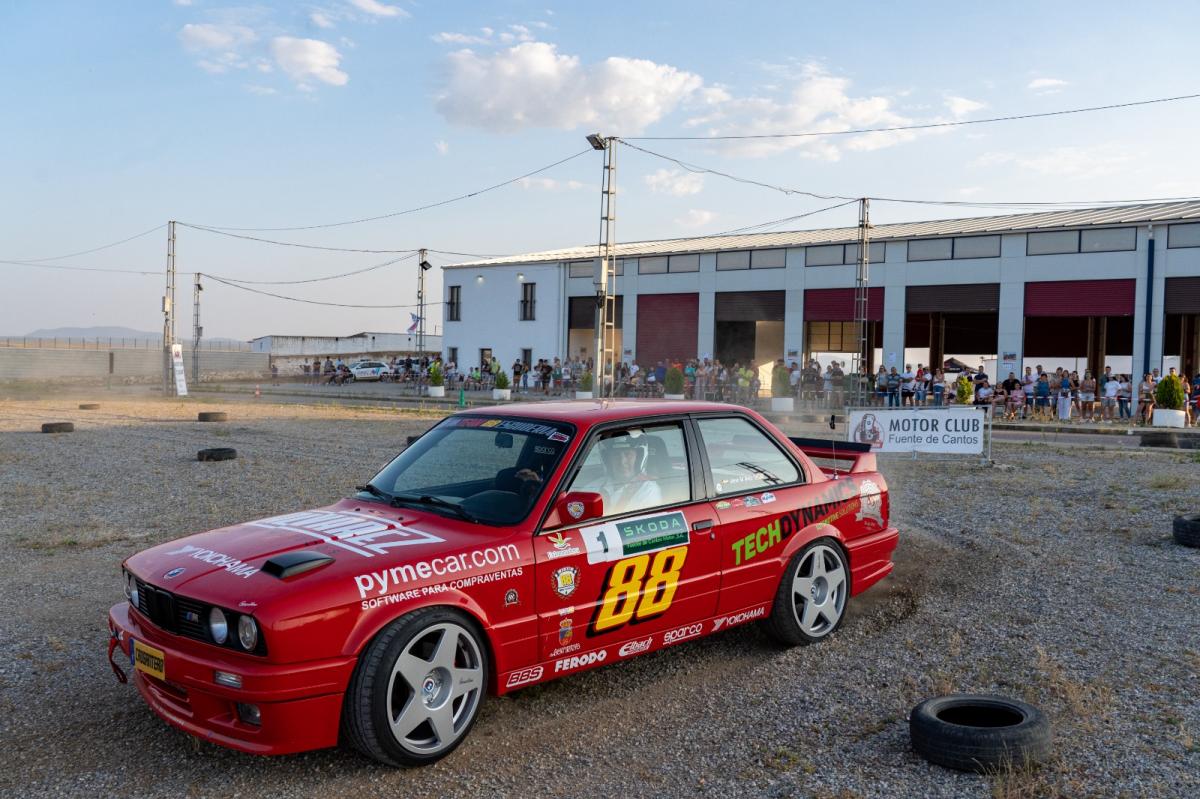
(89, 406)
(969, 732)
(213, 416)
(58, 427)
(217, 454)
(784, 624)
(1159, 438)
(368, 702)
(1186, 529)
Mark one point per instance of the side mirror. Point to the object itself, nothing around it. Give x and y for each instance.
(577, 506)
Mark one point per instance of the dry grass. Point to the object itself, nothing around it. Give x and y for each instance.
(1167, 481)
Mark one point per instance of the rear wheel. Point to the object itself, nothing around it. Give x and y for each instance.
(811, 601)
(417, 689)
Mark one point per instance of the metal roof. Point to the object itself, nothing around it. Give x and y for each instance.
(1008, 223)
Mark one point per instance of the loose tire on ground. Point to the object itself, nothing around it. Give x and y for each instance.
(1186, 529)
(969, 732)
(810, 602)
(217, 454)
(58, 427)
(89, 406)
(213, 416)
(1160, 438)
(431, 705)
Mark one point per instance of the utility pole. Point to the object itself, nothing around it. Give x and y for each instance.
(423, 266)
(168, 308)
(605, 278)
(865, 346)
(197, 329)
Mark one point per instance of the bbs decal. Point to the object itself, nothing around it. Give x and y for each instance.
(637, 589)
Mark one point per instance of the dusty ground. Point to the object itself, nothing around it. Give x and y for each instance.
(1053, 578)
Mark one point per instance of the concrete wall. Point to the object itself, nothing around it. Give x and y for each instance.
(130, 366)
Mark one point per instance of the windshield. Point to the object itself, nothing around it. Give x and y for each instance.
(492, 469)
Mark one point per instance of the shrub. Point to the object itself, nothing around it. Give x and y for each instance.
(502, 379)
(1169, 393)
(585, 382)
(780, 382)
(673, 384)
(436, 378)
(964, 391)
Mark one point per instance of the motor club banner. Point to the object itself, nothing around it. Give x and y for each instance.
(950, 430)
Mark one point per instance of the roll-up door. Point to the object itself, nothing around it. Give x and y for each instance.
(581, 312)
(1080, 298)
(837, 305)
(1182, 295)
(960, 298)
(749, 306)
(667, 327)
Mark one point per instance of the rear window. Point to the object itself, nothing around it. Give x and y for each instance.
(742, 458)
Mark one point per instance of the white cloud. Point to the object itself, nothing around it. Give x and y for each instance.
(197, 37)
(550, 184)
(183, 2)
(1064, 162)
(460, 38)
(533, 85)
(303, 59)
(970, 191)
(321, 19)
(960, 106)
(695, 218)
(1046, 85)
(442, 146)
(378, 9)
(260, 90)
(675, 182)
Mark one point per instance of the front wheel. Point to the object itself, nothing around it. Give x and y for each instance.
(417, 689)
(811, 601)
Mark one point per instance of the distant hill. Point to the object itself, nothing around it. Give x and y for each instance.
(92, 332)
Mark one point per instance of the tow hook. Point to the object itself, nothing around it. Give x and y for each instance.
(112, 647)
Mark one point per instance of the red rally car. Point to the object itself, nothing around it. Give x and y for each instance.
(503, 548)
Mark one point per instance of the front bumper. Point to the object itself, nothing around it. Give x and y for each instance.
(300, 703)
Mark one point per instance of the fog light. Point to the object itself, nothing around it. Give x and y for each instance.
(249, 714)
(227, 679)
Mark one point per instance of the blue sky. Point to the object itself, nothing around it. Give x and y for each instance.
(120, 116)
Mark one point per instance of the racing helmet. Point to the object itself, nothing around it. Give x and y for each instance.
(624, 442)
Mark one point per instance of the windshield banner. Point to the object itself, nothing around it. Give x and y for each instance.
(957, 431)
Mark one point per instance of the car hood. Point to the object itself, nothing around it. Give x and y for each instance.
(257, 560)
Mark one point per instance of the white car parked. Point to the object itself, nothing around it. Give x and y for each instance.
(368, 370)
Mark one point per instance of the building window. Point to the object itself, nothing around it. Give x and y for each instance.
(528, 301)
(588, 268)
(683, 263)
(733, 260)
(832, 336)
(768, 259)
(827, 255)
(1183, 235)
(527, 357)
(452, 354)
(1052, 242)
(454, 304)
(931, 249)
(1116, 239)
(876, 253)
(977, 247)
(653, 266)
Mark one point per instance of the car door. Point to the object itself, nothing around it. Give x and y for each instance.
(644, 566)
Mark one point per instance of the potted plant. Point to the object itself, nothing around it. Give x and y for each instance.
(673, 384)
(1168, 403)
(437, 380)
(781, 390)
(964, 391)
(585, 386)
(501, 391)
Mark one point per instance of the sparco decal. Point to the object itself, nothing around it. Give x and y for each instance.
(524, 676)
(683, 633)
(381, 582)
(635, 647)
(360, 533)
(739, 618)
(579, 661)
(229, 564)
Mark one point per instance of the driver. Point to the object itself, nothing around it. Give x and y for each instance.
(626, 485)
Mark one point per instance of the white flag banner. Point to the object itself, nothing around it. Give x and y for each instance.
(956, 430)
(177, 361)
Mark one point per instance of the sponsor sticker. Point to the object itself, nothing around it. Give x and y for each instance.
(562, 547)
(751, 502)
(230, 564)
(468, 564)
(724, 505)
(579, 661)
(739, 618)
(870, 502)
(635, 647)
(767, 497)
(575, 509)
(618, 540)
(565, 631)
(566, 580)
(683, 633)
(360, 533)
(511, 598)
(524, 677)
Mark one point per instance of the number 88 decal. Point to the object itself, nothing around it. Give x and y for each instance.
(638, 589)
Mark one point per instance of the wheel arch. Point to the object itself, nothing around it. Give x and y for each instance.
(813, 532)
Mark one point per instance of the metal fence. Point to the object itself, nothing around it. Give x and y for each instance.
(114, 343)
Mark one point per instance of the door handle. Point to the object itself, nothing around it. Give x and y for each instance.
(704, 524)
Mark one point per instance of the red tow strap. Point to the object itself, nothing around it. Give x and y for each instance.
(112, 646)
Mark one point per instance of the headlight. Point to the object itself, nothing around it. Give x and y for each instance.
(247, 632)
(131, 590)
(217, 626)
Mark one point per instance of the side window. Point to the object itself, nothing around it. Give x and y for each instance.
(742, 457)
(637, 469)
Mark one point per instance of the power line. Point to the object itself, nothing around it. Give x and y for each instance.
(84, 268)
(292, 243)
(749, 228)
(925, 126)
(28, 261)
(311, 302)
(227, 279)
(406, 211)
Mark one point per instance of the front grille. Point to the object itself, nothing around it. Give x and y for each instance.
(186, 617)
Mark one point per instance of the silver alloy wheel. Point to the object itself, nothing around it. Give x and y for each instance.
(819, 591)
(435, 688)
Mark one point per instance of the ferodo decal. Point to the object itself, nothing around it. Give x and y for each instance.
(579, 661)
(360, 533)
(616, 540)
(637, 589)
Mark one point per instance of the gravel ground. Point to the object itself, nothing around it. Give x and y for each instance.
(1052, 578)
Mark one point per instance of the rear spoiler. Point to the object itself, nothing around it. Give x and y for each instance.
(861, 454)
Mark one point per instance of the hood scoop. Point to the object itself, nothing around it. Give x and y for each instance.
(290, 564)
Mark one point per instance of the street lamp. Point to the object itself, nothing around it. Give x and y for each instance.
(597, 141)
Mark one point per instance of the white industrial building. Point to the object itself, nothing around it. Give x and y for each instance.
(289, 352)
(1118, 285)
